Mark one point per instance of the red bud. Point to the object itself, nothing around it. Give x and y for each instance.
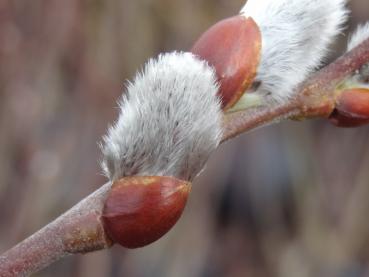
(233, 47)
(352, 108)
(140, 210)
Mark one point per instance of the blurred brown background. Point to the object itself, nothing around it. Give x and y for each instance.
(286, 200)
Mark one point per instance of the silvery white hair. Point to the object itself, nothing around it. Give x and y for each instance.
(169, 121)
(295, 37)
(361, 34)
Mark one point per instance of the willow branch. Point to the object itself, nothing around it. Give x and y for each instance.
(316, 96)
(80, 230)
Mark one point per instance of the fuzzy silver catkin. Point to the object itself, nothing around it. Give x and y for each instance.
(295, 38)
(169, 121)
(360, 34)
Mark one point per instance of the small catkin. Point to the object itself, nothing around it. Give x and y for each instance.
(360, 34)
(296, 35)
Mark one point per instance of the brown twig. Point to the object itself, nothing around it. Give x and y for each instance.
(80, 230)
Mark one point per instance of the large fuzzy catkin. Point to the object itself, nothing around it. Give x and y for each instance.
(295, 38)
(169, 121)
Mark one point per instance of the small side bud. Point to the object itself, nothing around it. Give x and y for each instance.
(352, 104)
(233, 48)
(140, 210)
(352, 108)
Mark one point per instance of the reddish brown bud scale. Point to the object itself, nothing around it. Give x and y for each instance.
(352, 108)
(139, 210)
(233, 47)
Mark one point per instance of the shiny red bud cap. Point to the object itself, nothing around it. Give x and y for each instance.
(140, 210)
(233, 48)
(352, 108)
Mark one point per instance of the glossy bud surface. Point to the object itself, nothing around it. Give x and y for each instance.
(139, 210)
(233, 48)
(352, 108)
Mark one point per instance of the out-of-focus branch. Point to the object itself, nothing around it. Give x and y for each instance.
(80, 230)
